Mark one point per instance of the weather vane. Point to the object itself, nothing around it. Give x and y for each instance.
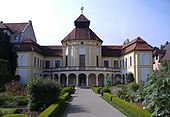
(82, 8)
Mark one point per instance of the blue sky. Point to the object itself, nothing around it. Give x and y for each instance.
(112, 20)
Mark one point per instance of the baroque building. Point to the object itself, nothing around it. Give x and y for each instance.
(82, 60)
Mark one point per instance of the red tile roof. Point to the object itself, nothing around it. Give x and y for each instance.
(48, 51)
(2, 26)
(16, 27)
(52, 51)
(82, 34)
(137, 44)
(167, 53)
(82, 18)
(111, 51)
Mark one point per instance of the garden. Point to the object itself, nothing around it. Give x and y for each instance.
(38, 98)
(151, 98)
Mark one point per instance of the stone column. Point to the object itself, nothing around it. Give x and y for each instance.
(58, 80)
(87, 81)
(77, 80)
(104, 80)
(66, 81)
(97, 81)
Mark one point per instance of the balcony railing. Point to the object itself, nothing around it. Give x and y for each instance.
(78, 68)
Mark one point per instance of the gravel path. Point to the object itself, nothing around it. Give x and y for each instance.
(85, 103)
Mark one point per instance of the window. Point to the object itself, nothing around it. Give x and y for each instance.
(126, 62)
(115, 64)
(106, 63)
(82, 42)
(130, 61)
(120, 63)
(57, 63)
(81, 60)
(47, 64)
(144, 58)
(34, 61)
(66, 61)
(97, 61)
(123, 63)
(38, 62)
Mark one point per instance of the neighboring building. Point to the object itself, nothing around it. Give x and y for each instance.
(18, 32)
(161, 55)
(82, 60)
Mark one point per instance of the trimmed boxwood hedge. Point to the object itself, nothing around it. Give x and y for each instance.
(108, 96)
(96, 89)
(53, 110)
(128, 107)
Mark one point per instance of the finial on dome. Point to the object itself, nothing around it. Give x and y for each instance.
(82, 8)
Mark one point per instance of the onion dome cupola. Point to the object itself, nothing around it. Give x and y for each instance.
(82, 22)
(81, 31)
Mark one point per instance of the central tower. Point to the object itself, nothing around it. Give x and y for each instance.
(81, 47)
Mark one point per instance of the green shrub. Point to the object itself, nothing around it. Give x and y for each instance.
(108, 96)
(130, 108)
(22, 100)
(93, 86)
(97, 89)
(72, 87)
(133, 86)
(2, 88)
(130, 77)
(15, 115)
(42, 93)
(6, 111)
(53, 110)
(104, 89)
(66, 89)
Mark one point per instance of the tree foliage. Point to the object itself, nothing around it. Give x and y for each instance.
(157, 92)
(108, 81)
(126, 42)
(130, 77)
(7, 51)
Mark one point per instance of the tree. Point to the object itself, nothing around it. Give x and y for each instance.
(108, 80)
(157, 93)
(126, 42)
(7, 51)
(130, 77)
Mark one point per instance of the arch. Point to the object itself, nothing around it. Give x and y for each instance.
(117, 79)
(82, 79)
(63, 79)
(101, 79)
(72, 79)
(92, 79)
(45, 76)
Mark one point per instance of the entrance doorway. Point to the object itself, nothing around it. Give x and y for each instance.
(82, 79)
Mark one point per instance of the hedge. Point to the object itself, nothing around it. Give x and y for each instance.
(96, 89)
(15, 115)
(128, 107)
(53, 110)
(108, 96)
(6, 111)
